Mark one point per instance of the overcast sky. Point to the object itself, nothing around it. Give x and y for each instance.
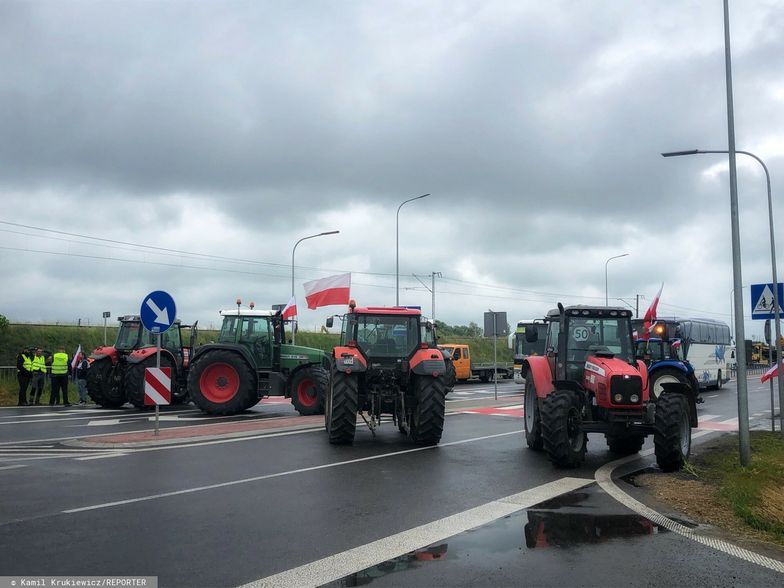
(215, 134)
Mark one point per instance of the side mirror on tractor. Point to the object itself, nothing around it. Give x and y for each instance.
(531, 336)
(330, 322)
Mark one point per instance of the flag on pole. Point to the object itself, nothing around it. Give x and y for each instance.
(328, 291)
(650, 315)
(77, 357)
(771, 373)
(290, 309)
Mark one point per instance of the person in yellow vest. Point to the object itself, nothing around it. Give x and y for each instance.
(24, 371)
(39, 376)
(60, 369)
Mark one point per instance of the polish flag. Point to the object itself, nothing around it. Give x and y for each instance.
(650, 315)
(76, 358)
(290, 309)
(771, 373)
(328, 291)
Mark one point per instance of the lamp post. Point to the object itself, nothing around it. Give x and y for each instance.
(397, 246)
(606, 297)
(294, 329)
(732, 313)
(774, 273)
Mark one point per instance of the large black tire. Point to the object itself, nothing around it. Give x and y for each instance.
(531, 419)
(340, 415)
(450, 376)
(426, 419)
(562, 431)
(308, 386)
(672, 432)
(665, 375)
(104, 384)
(221, 382)
(134, 380)
(625, 444)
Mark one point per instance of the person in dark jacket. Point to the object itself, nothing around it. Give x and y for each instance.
(81, 379)
(24, 371)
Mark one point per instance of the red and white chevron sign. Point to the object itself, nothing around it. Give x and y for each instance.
(157, 386)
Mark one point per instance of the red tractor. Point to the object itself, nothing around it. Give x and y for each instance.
(116, 373)
(387, 363)
(589, 381)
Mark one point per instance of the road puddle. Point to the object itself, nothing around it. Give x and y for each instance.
(584, 519)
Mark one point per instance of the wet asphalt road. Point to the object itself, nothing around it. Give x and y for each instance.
(227, 513)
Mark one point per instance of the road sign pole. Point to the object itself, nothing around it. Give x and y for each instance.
(495, 354)
(157, 364)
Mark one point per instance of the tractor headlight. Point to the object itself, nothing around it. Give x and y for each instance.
(634, 398)
(618, 398)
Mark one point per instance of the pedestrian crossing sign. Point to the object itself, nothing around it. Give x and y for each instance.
(762, 302)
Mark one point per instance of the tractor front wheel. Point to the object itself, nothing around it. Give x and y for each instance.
(308, 387)
(562, 430)
(531, 418)
(340, 415)
(672, 432)
(450, 375)
(221, 382)
(426, 420)
(104, 384)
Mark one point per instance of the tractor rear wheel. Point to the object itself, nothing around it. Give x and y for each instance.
(308, 387)
(665, 375)
(562, 430)
(134, 380)
(672, 432)
(450, 376)
(221, 382)
(104, 384)
(531, 418)
(625, 444)
(426, 423)
(340, 415)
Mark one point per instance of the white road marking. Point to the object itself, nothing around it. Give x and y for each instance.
(708, 417)
(604, 478)
(103, 423)
(732, 421)
(12, 467)
(102, 456)
(712, 396)
(63, 416)
(279, 474)
(340, 565)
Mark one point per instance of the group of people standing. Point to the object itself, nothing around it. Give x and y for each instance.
(33, 366)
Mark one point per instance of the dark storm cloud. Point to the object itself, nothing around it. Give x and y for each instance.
(256, 102)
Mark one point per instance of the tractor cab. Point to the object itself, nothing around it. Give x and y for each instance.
(656, 349)
(252, 329)
(583, 331)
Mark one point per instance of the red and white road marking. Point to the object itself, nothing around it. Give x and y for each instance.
(506, 411)
(157, 386)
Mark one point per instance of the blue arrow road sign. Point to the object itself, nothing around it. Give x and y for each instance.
(762, 300)
(158, 311)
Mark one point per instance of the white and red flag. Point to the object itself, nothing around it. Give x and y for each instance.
(650, 316)
(77, 357)
(771, 373)
(290, 309)
(328, 291)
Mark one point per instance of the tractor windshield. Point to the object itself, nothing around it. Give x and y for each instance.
(599, 335)
(387, 336)
(129, 336)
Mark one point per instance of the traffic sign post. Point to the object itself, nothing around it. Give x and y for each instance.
(158, 313)
(495, 325)
(766, 305)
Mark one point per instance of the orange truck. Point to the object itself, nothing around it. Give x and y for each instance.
(465, 369)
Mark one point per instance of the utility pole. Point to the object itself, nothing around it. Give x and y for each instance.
(432, 290)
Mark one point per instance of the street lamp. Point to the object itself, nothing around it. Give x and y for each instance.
(397, 247)
(606, 297)
(293, 330)
(776, 301)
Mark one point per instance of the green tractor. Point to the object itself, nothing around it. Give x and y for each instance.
(250, 361)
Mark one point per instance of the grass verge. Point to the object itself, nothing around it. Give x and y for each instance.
(715, 489)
